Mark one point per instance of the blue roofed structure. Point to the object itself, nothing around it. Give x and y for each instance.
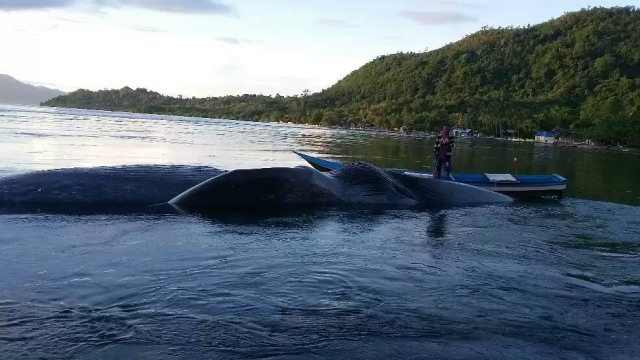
(545, 137)
(546, 134)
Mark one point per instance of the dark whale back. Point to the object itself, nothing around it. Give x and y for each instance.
(108, 188)
(356, 184)
(256, 189)
(447, 193)
(368, 180)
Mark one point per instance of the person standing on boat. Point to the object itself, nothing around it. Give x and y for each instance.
(442, 151)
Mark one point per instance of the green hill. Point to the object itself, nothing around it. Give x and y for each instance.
(577, 74)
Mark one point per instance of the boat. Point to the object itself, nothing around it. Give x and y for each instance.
(318, 163)
(513, 185)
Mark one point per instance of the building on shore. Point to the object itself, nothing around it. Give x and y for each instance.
(546, 137)
(459, 132)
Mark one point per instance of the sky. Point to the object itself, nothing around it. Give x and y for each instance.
(229, 47)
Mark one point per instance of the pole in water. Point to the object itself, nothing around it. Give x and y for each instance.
(515, 164)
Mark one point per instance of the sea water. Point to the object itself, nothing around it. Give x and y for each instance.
(531, 280)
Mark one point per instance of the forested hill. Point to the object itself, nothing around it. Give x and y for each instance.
(579, 73)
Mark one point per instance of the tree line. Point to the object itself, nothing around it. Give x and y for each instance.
(577, 75)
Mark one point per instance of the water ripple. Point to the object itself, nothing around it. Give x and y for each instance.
(536, 280)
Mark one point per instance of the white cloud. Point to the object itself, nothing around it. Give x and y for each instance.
(235, 41)
(177, 6)
(437, 17)
(333, 22)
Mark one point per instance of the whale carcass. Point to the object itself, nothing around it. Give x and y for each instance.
(353, 185)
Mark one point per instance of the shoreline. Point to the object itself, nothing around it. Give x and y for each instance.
(429, 135)
(581, 144)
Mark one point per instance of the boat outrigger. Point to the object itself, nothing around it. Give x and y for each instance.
(514, 185)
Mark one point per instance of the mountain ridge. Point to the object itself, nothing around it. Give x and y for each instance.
(15, 92)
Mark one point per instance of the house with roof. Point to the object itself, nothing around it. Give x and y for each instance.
(545, 137)
(459, 132)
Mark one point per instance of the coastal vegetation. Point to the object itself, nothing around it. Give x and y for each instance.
(577, 75)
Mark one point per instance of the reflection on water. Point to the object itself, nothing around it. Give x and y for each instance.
(437, 227)
(42, 138)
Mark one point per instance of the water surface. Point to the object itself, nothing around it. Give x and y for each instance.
(532, 280)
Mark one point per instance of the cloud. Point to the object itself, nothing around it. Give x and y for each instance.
(176, 6)
(333, 23)
(148, 29)
(453, 3)
(459, 3)
(34, 4)
(437, 17)
(73, 21)
(180, 6)
(235, 41)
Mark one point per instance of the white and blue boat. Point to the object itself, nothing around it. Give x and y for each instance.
(514, 185)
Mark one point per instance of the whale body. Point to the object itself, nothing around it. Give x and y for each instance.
(98, 189)
(145, 188)
(353, 185)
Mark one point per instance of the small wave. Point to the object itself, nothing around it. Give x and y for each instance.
(53, 330)
(37, 135)
(600, 244)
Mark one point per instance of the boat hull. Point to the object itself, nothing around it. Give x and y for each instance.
(518, 185)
